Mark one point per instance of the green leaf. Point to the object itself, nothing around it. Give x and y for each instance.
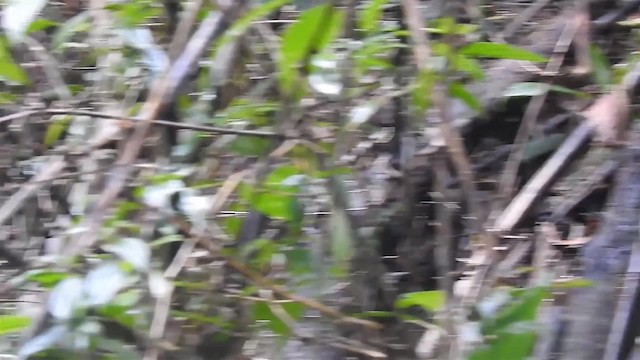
(428, 300)
(278, 177)
(265, 249)
(56, 129)
(376, 314)
(602, 73)
(572, 283)
(11, 323)
(448, 26)
(250, 145)
(45, 278)
(233, 224)
(500, 51)
(369, 16)
(193, 316)
(17, 15)
(467, 65)
(115, 349)
(298, 261)
(134, 13)
(242, 24)
(262, 312)
(457, 90)
(524, 308)
(534, 89)
(515, 343)
(342, 244)
(512, 331)
(7, 98)
(275, 205)
(41, 24)
(9, 71)
(541, 146)
(313, 31)
(424, 85)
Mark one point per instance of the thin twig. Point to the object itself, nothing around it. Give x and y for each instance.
(136, 120)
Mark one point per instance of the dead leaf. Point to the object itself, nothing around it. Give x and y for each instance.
(609, 116)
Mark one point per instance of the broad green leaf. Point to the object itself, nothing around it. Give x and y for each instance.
(278, 177)
(376, 314)
(541, 146)
(632, 22)
(10, 72)
(242, 24)
(45, 278)
(41, 24)
(276, 205)
(133, 13)
(342, 244)
(11, 323)
(159, 179)
(457, 90)
(428, 300)
(7, 98)
(250, 145)
(369, 16)
(263, 250)
(171, 238)
(521, 309)
(601, 68)
(299, 261)
(313, 31)
(448, 26)
(512, 333)
(124, 208)
(116, 349)
(197, 317)
(514, 343)
(375, 53)
(467, 65)
(572, 283)
(262, 312)
(421, 93)
(500, 51)
(535, 89)
(232, 224)
(17, 15)
(56, 129)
